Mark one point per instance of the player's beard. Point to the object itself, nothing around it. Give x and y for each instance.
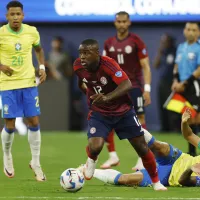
(122, 31)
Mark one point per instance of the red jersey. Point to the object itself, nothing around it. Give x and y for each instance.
(128, 53)
(106, 79)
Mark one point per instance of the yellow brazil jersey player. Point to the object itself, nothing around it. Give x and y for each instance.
(18, 86)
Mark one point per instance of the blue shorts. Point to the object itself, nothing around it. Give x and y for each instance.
(165, 164)
(163, 174)
(137, 99)
(126, 126)
(20, 103)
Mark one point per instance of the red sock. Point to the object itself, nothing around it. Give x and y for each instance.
(110, 141)
(144, 126)
(89, 154)
(150, 165)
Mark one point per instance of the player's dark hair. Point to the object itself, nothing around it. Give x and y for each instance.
(193, 22)
(122, 13)
(59, 39)
(90, 42)
(14, 4)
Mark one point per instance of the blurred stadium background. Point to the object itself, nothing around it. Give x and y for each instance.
(63, 105)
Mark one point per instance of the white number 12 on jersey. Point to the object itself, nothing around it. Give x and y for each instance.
(120, 58)
(97, 89)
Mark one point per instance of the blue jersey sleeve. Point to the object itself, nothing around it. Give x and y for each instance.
(198, 58)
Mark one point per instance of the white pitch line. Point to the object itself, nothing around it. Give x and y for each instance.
(104, 198)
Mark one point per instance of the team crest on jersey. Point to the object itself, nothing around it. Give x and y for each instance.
(191, 55)
(18, 46)
(118, 74)
(5, 109)
(93, 130)
(144, 51)
(128, 49)
(103, 80)
(112, 49)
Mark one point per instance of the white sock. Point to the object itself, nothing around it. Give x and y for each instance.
(139, 165)
(110, 176)
(7, 140)
(147, 136)
(113, 154)
(20, 126)
(34, 138)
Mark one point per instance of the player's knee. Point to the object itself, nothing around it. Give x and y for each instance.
(33, 122)
(10, 125)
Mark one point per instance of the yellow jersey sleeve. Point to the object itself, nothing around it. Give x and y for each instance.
(36, 36)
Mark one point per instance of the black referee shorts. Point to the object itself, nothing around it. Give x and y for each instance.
(192, 94)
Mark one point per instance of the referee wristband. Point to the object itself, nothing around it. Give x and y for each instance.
(147, 88)
(42, 67)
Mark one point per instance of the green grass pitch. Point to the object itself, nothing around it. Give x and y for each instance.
(64, 150)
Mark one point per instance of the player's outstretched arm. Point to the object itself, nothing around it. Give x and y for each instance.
(187, 131)
(187, 180)
(41, 60)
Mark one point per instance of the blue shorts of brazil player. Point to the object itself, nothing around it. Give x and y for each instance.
(126, 126)
(136, 96)
(20, 103)
(164, 165)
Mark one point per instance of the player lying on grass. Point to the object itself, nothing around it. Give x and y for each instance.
(175, 168)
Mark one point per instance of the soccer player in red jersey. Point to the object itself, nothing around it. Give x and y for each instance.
(106, 86)
(130, 52)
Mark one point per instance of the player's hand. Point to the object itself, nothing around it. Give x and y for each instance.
(147, 98)
(180, 87)
(6, 70)
(99, 98)
(186, 115)
(42, 75)
(173, 88)
(196, 168)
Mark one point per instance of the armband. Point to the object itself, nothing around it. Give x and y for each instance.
(147, 88)
(176, 76)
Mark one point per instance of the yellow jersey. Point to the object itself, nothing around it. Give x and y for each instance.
(182, 163)
(16, 52)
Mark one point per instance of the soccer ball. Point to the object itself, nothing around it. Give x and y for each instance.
(72, 180)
